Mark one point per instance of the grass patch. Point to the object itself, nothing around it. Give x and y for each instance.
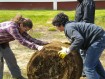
(52, 29)
(36, 34)
(100, 18)
(39, 17)
(44, 17)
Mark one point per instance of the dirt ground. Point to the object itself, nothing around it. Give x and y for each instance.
(24, 54)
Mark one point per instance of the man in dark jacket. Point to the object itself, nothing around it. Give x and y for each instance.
(85, 11)
(85, 36)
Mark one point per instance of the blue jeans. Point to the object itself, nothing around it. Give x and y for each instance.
(83, 55)
(92, 65)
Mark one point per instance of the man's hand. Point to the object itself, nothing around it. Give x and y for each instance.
(40, 48)
(63, 52)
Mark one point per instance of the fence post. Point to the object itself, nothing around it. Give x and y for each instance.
(55, 5)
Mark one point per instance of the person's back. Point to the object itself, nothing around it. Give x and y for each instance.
(90, 32)
(85, 11)
(4, 31)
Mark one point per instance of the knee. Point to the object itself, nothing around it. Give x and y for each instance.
(88, 69)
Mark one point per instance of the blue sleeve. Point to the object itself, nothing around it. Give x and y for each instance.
(76, 37)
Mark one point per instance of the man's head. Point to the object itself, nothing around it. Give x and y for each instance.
(60, 20)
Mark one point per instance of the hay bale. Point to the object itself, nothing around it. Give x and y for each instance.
(46, 64)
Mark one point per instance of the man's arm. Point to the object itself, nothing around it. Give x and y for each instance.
(77, 40)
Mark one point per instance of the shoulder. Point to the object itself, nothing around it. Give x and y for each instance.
(8, 24)
(12, 23)
(70, 25)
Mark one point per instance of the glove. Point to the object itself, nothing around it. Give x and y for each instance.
(63, 52)
(40, 48)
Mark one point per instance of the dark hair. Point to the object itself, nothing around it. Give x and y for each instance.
(60, 19)
(25, 21)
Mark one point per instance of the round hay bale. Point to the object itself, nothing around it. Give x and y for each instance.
(46, 64)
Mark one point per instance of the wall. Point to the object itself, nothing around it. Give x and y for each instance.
(69, 5)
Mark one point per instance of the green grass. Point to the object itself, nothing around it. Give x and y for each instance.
(52, 29)
(39, 17)
(44, 17)
(100, 18)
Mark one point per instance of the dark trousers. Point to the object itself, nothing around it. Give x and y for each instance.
(7, 54)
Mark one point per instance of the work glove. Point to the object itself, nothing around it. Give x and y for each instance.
(62, 53)
(40, 48)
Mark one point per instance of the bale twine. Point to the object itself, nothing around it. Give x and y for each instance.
(46, 64)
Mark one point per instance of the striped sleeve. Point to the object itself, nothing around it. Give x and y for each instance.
(13, 30)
